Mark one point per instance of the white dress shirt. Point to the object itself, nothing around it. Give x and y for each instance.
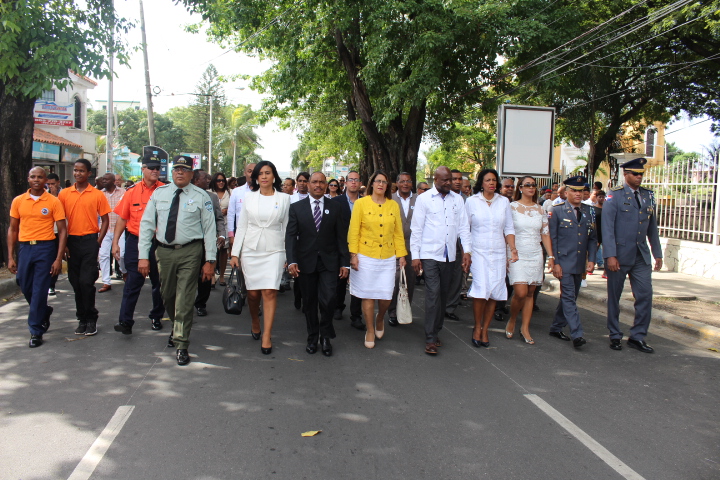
(297, 196)
(236, 201)
(405, 203)
(436, 225)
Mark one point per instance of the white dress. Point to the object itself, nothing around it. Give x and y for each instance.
(530, 223)
(489, 224)
(260, 239)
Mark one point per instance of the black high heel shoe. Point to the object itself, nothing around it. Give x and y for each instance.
(266, 351)
(256, 336)
(479, 343)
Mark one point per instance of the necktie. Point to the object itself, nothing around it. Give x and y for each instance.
(172, 217)
(577, 213)
(637, 199)
(317, 215)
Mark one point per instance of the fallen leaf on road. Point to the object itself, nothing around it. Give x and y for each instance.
(75, 339)
(311, 433)
(296, 360)
(714, 350)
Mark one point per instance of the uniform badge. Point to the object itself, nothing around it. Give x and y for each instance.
(327, 212)
(609, 197)
(190, 202)
(208, 206)
(44, 211)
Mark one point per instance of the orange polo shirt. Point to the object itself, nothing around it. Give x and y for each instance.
(83, 209)
(37, 217)
(132, 206)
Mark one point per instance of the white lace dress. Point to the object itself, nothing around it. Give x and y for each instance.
(530, 223)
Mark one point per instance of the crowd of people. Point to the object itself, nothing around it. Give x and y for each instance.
(490, 242)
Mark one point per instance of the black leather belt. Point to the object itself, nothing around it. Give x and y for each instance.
(92, 235)
(35, 242)
(178, 247)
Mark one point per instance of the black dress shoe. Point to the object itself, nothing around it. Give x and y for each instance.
(298, 303)
(256, 336)
(559, 335)
(392, 321)
(123, 328)
(182, 356)
(338, 314)
(46, 322)
(326, 347)
(312, 347)
(452, 316)
(357, 323)
(170, 343)
(640, 345)
(156, 324)
(579, 342)
(615, 344)
(35, 341)
(498, 316)
(201, 311)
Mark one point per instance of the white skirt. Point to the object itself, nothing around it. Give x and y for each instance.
(374, 279)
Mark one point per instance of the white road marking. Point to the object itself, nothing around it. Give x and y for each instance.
(602, 452)
(100, 446)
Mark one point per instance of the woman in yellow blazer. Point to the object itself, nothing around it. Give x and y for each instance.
(375, 239)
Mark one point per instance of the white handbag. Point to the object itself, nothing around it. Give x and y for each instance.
(403, 309)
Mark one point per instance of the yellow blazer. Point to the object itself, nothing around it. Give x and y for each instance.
(376, 230)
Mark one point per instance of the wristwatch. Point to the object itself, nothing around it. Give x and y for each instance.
(210, 261)
(550, 256)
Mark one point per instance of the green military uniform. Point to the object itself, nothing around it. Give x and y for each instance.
(179, 259)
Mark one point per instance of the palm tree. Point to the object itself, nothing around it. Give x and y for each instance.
(239, 135)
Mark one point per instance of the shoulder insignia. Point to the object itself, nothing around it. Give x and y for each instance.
(558, 204)
(619, 187)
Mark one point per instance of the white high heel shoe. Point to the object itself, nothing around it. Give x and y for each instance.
(369, 344)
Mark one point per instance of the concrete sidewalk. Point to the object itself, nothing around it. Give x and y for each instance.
(666, 284)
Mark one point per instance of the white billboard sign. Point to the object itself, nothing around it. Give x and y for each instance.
(525, 140)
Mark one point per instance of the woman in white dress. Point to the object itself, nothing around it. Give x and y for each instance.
(260, 243)
(375, 240)
(531, 227)
(492, 229)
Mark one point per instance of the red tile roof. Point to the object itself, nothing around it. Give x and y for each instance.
(42, 136)
(87, 79)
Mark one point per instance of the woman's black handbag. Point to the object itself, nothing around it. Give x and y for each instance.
(235, 293)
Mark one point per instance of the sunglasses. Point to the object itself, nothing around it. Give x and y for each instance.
(637, 174)
(333, 184)
(153, 168)
(529, 185)
(219, 180)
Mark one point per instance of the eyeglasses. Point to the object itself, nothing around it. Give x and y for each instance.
(405, 181)
(353, 180)
(529, 185)
(381, 182)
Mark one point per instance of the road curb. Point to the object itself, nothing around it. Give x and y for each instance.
(8, 287)
(697, 329)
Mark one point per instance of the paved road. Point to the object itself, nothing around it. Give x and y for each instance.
(512, 411)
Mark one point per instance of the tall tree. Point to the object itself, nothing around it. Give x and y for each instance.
(208, 90)
(396, 64)
(40, 41)
(237, 139)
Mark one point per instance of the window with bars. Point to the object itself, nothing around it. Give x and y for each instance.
(48, 96)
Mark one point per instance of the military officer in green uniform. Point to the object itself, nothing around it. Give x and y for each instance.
(628, 222)
(179, 218)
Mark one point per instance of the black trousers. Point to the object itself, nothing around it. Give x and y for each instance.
(204, 287)
(82, 273)
(355, 302)
(135, 282)
(500, 304)
(318, 290)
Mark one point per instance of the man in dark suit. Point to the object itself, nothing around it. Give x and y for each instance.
(405, 198)
(573, 232)
(316, 245)
(346, 202)
(628, 222)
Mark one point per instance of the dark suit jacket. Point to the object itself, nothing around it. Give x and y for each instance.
(573, 242)
(304, 244)
(406, 221)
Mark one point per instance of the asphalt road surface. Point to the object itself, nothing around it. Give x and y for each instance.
(119, 407)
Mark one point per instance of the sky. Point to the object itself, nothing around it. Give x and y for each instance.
(177, 60)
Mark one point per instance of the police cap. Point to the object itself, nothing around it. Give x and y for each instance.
(635, 165)
(182, 161)
(151, 161)
(575, 183)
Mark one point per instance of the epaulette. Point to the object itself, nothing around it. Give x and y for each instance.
(619, 187)
(558, 204)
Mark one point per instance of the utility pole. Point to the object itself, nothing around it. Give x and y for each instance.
(209, 170)
(109, 121)
(148, 93)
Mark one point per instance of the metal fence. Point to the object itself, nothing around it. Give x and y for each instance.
(687, 197)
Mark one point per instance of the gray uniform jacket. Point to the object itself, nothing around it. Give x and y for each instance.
(406, 221)
(626, 229)
(220, 225)
(195, 220)
(572, 242)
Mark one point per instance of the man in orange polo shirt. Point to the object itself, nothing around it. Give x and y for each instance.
(33, 216)
(130, 211)
(83, 205)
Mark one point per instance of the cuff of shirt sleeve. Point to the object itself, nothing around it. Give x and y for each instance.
(231, 234)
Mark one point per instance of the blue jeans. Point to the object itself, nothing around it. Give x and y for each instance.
(33, 277)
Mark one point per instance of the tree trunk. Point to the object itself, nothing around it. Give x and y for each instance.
(16, 137)
(396, 149)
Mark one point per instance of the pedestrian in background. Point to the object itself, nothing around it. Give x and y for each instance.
(438, 221)
(405, 198)
(236, 202)
(83, 204)
(288, 186)
(34, 217)
(629, 221)
(507, 190)
(333, 188)
(574, 240)
(492, 231)
(531, 234)
(377, 245)
(130, 211)
(219, 185)
(458, 274)
(53, 188)
(232, 183)
(260, 246)
(179, 218)
(302, 180)
(113, 194)
(422, 187)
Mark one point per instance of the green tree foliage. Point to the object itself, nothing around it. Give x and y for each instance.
(197, 124)
(132, 130)
(40, 41)
(392, 66)
(236, 139)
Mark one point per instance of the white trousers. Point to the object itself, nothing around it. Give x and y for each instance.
(106, 257)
